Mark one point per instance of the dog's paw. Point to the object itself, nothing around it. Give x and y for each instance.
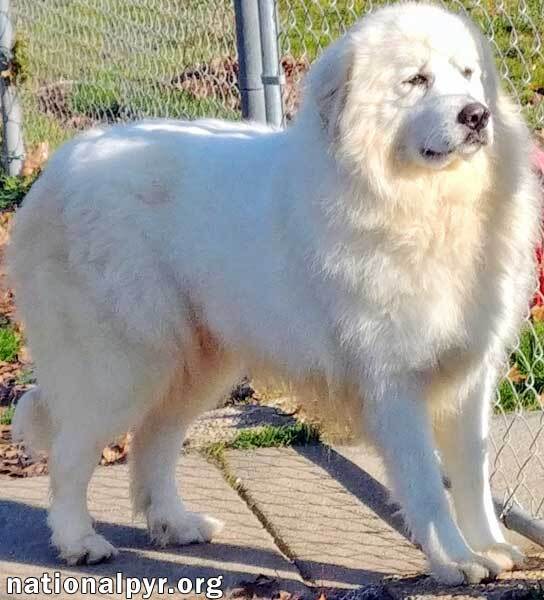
(507, 556)
(91, 549)
(475, 570)
(181, 528)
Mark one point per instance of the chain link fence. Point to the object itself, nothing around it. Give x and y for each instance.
(83, 62)
(77, 63)
(515, 29)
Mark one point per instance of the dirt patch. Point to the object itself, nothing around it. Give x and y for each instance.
(53, 101)
(218, 79)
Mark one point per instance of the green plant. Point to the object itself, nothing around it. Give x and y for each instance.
(10, 342)
(524, 384)
(13, 189)
(6, 417)
(266, 436)
(273, 436)
(20, 68)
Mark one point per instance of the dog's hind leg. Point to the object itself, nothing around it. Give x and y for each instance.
(462, 439)
(93, 387)
(86, 412)
(90, 403)
(73, 458)
(155, 451)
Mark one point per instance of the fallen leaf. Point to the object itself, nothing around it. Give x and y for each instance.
(35, 159)
(537, 312)
(515, 375)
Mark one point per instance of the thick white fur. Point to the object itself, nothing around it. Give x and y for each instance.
(155, 262)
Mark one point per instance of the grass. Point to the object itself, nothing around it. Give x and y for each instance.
(121, 61)
(6, 416)
(38, 127)
(105, 100)
(267, 436)
(310, 26)
(10, 343)
(275, 436)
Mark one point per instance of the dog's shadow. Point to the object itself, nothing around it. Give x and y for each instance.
(24, 540)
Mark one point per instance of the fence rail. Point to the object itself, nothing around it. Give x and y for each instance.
(81, 62)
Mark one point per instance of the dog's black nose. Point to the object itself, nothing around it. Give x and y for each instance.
(475, 116)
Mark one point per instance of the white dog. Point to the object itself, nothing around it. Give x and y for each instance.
(381, 245)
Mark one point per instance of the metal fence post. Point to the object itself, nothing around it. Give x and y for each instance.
(272, 72)
(248, 42)
(519, 520)
(12, 133)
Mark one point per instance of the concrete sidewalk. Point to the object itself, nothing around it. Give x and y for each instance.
(243, 551)
(301, 519)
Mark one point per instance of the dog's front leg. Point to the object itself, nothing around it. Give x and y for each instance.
(462, 438)
(401, 428)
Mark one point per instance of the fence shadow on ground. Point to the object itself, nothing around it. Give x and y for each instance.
(358, 482)
(25, 541)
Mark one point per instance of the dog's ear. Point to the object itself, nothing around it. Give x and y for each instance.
(328, 82)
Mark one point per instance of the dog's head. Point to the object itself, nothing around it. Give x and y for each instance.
(411, 82)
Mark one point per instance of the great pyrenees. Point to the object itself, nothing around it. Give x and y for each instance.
(377, 251)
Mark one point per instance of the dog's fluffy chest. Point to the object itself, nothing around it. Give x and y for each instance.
(409, 281)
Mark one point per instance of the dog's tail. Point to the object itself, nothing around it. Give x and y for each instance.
(32, 421)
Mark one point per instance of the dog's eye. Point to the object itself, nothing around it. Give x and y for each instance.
(418, 79)
(467, 73)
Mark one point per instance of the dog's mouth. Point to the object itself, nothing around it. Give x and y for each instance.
(431, 154)
(473, 142)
